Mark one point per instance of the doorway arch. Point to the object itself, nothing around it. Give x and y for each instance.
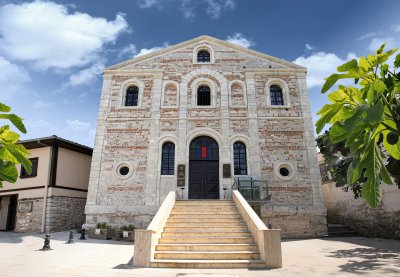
(203, 168)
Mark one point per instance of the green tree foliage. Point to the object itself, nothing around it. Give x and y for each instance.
(366, 119)
(11, 153)
(338, 158)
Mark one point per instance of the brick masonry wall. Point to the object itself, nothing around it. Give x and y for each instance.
(239, 111)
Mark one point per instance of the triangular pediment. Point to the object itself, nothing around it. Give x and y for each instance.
(264, 61)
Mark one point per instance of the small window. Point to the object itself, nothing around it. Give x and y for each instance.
(168, 159)
(203, 96)
(276, 95)
(124, 170)
(239, 158)
(24, 173)
(203, 56)
(131, 97)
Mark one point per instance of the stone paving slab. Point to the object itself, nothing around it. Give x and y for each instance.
(354, 256)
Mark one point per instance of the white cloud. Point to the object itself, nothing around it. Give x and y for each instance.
(240, 40)
(145, 51)
(12, 78)
(214, 8)
(377, 42)
(320, 65)
(127, 51)
(396, 28)
(86, 75)
(309, 47)
(50, 36)
(369, 35)
(77, 125)
(39, 104)
(149, 3)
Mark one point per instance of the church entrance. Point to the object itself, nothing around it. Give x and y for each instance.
(203, 168)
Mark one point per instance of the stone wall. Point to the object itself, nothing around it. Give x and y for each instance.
(383, 221)
(239, 111)
(64, 212)
(29, 221)
(61, 214)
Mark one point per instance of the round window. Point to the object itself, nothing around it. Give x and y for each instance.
(284, 171)
(124, 170)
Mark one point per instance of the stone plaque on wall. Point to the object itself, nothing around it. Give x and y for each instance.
(181, 171)
(25, 206)
(226, 170)
(181, 183)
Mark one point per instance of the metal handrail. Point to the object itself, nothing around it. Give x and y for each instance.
(251, 189)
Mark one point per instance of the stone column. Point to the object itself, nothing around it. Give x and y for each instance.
(309, 141)
(254, 147)
(153, 174)
(100, 142)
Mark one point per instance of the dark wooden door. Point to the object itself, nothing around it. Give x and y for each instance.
(203, 180)
(204, 169)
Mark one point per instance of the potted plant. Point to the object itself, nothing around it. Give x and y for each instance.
(102, 231)
(126, 233)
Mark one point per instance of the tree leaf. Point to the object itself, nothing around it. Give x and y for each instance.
(4, 108)
(329, 82)
(380, 49)
(329, 111)
(350, 65)
(394, 150)
(16, 120)
(353, 172)
(9, 173)
(385, 56)
(397, 61)
(374, 113)
(19, 153)
(364, 64)
(372, 164)
(337, 133)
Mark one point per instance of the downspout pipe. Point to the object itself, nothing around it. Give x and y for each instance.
(46, 187)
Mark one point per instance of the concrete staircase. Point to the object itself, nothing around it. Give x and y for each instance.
(206, 234)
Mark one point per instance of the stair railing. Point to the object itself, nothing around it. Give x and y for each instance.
(252, 190)
(267, 240)
(146, 240)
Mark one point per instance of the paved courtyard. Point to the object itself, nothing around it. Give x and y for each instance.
(354, 256)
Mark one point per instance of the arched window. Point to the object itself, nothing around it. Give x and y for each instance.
(203, 56)
(239, 158)
(131, 97)
(203, 96)
(168, 159)
(276, 95)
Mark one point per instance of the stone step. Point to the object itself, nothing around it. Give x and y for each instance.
(205, 234)
(201, 212)
(205, 255)
(199, 223)
(208, 263)
(207, 247)
(204, 229)
(205, 209)
(205, 220)
(205, 215)
(206, 240)
(210, 202)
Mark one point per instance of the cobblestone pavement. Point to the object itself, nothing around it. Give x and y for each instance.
(354, 256)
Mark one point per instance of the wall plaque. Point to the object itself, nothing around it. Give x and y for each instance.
(25, 206)
(181, 171)
(226, 170)
(181, 183)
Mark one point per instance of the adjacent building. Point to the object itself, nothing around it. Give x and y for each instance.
(193, 117)
(51, 198)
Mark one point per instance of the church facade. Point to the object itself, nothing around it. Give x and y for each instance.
(192, 118)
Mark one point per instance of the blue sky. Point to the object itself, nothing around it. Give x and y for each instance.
(52, 52)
